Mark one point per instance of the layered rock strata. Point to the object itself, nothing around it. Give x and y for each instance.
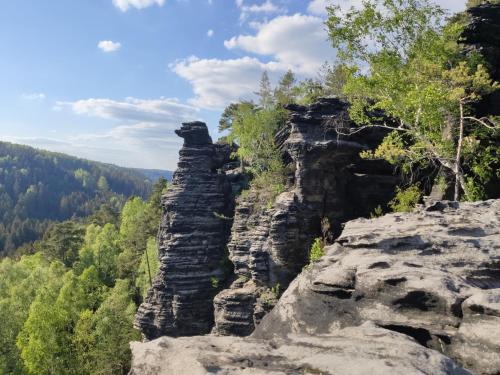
(329, 184)
(408, 293)
(192, 238)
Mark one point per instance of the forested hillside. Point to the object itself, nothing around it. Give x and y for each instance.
(38, 187)
(68, 309)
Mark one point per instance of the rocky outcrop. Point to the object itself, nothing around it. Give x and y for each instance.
(355, 351)
(408, 293)
(433, 275)
(328, 185)
(192, 238)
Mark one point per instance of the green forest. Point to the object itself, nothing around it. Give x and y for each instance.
(40, 187)
(68, 308)
(81, 256)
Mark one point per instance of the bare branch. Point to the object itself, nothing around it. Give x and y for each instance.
(371, 126)
(483, 122)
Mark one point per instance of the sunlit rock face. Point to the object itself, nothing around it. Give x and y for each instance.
(433, 275)
(192, 239)
(328, 185)
(407, 293)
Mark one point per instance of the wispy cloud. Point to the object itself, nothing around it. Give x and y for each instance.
(140, 131)
(267, 7)
(109, 46)
(34, 96)
(163, 110)
(125, 5)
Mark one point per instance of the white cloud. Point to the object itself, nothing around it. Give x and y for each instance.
(163, 110)
(109, 46)
(299, 41)
(34, 96)
(118, 146)
(124, 5)
(318, 7)
(217, 82)
(267, 7)
(210, 33)
(141, 132)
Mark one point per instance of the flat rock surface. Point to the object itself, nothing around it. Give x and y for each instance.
(355, 350)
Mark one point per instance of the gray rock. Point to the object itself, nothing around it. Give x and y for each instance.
(361, 350)
(192, 238)
(433, 275)
(329, 184)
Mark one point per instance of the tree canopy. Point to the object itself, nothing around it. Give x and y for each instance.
(410, 73)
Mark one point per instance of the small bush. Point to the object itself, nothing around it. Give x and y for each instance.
(276, 290)
(377, 212)
(215, 282)
(406, 200)
(317, 250)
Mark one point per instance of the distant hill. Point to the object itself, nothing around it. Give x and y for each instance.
(155, 174)
(38, 187)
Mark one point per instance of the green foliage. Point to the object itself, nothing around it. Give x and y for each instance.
(253, 129)
(284, 92)
(317, 250)
(38, 188)
(62, 242)
(265, 93)
(416, 74)
(276, 290)
(102, 184)
(215, 282)
(406, 200)
(78, 318)
(148, 267)
(20, 282)
(102, 338)
(377, 212)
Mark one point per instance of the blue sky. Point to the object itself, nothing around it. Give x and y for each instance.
(110, 80)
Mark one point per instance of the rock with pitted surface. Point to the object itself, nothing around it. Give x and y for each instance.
(329, 184)
(407, 293)
(192, 239)
(433, 275)
(351, 351)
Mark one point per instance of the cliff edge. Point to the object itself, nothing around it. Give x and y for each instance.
(407, 293)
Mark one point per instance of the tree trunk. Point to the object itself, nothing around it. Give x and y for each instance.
(459, 154)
